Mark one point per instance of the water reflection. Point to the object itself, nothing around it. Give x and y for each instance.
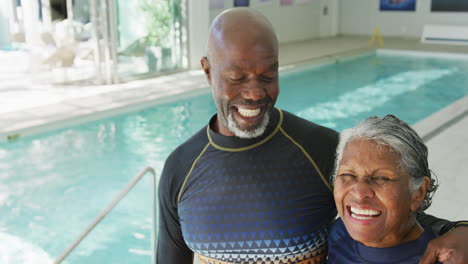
(57, 183)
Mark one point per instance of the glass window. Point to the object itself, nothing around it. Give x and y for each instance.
(150, 38)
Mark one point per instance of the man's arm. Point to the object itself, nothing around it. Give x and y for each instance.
(439, 226)
(451, 247)
(171, 244)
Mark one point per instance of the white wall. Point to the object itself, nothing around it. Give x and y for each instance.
(198, 27)
(292, 23)
(360, 17)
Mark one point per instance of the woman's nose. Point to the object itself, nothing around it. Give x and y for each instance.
(362, 190)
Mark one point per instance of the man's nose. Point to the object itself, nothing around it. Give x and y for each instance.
(362, 189)
(253, 91)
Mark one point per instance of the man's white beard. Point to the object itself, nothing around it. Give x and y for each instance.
(238, 132)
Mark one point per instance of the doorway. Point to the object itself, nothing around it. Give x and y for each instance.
(328, 18)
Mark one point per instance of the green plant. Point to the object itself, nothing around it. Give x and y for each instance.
(157, 20)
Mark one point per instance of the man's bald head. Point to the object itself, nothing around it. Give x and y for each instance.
(240, 26)
(241, 67)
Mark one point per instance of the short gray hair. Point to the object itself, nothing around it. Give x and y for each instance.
(401, 138)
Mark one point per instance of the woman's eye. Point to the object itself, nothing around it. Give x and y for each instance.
(380, 179)
(347, 176)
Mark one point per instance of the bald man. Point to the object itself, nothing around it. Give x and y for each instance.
(252, 186)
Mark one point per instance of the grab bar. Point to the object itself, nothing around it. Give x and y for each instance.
(111, 206)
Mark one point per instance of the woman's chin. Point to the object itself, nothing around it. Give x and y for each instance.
(365, 231)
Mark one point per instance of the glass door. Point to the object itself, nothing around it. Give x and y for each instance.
(150, 37)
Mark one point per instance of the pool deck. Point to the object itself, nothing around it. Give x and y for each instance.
(28, 106)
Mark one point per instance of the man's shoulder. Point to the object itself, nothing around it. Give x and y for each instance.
(191, 147)
(428, 233)
(178, 163)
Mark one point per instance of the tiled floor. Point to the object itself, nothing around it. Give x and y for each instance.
(448, 156)
(446, 137)
(27, 107)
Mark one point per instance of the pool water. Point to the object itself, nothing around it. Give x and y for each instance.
(54, 184)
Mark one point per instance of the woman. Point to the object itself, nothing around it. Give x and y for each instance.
(382, 180)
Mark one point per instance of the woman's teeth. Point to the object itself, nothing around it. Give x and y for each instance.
(248, 112)
(364, 214)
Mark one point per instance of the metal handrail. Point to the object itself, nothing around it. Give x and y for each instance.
(111, 206)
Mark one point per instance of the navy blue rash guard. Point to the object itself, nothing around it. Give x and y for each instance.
(262, 200)
(343, 249)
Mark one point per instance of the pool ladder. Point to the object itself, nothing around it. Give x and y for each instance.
(111, 206)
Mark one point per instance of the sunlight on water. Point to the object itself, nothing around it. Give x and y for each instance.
(15, 250)
(366, 98)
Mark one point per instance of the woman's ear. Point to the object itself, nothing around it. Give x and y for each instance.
(419, 194)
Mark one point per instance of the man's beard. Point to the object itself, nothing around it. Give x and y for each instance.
(256, 132)
(230, 123)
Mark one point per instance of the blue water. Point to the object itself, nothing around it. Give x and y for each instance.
(53, 185)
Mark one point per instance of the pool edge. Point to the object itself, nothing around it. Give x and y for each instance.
(426, 128)
(441, 120)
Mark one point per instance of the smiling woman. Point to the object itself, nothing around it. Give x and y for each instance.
(381, 181)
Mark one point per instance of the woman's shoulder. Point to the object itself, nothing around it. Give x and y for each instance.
(338, 230)
(338, 237)
(427, 236)
(340, 245)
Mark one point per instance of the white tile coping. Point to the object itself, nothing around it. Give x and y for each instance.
(28, 122)
(442, 119)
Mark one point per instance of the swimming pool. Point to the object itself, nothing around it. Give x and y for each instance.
(54, 184)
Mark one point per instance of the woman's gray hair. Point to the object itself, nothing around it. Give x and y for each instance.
(401, 138)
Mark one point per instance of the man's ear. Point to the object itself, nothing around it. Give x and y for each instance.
(419, 194)
(206, 68)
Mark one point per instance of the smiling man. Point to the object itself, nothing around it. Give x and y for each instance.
(250, 186)
(253, 185)
(242, 69)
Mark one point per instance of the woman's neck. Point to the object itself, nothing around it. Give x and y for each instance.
(413, 233)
